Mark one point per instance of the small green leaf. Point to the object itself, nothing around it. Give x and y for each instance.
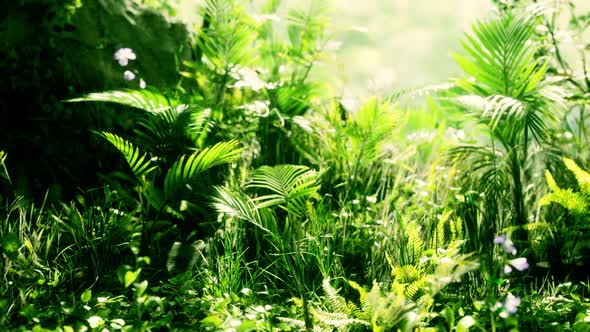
(86, 296)
(10, 245)
(141, 287)
(130, 277)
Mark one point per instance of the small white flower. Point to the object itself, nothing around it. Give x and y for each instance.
(95, 321)
(500, 239)
(371, 199)
(142, 83)
(510, 306)
(123, 55)
(520, 264)
(506, 243)
(129, 75)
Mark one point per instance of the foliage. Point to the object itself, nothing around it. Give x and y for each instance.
(248, 195)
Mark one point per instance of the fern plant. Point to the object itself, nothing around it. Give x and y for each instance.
(577, 203)
(402, 305)
(352, 146)
(567, 244)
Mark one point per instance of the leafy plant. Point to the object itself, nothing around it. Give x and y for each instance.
(279, 214)
(404, 304)
(567, 236)
(506, 92)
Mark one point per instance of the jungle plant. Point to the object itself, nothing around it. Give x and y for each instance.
(170, 156)
(254, 96)
(568, 234)
(352, 146)
(507, 94)
(48, 252)
(403, 304)
(278, 213)
(4, 172)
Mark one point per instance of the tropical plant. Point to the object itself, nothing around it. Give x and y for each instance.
(279, 214)
(169, 159)
(507, 94)
(567, 237)
(404, 304)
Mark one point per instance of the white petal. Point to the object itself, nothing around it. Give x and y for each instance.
(129, 75)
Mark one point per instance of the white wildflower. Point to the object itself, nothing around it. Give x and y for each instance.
(123, 55)
(520, 264)
(129, 75)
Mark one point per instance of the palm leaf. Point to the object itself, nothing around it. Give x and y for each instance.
(290, 186)
(188, 166)
(227, 41)
(148, 100)
(242, 207)
(140, 164)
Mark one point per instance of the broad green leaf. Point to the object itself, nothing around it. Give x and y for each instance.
(86, 296)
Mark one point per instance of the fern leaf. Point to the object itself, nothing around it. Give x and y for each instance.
(337, 302)
(576, 202)
(582, 176)
(188, 166)
(140, 163)
(337, 319)
(290, 186)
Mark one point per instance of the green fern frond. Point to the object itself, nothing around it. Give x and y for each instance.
(415, 240)
(290, 186)
(406, 274)
(227, 40)
(416, 288)
(576, 202)
(457, 230)
(140, 164)
(336, 302)
(359, 311)
(582, 176)
(148, 100)
(336, 319)
(188, 166)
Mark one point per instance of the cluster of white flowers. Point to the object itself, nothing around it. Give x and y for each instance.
(258, 108)
(123, 56)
